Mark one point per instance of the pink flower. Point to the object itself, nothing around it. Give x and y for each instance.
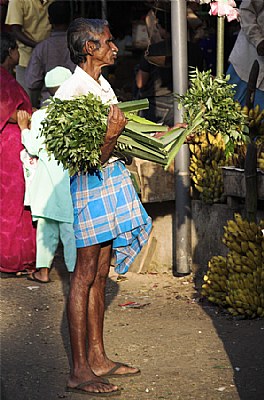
(233, 14)
(223, 8)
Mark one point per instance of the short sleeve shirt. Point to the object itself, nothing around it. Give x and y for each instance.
(81, 83)
(32, 15)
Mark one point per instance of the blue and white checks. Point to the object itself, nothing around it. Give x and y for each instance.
(107, 207)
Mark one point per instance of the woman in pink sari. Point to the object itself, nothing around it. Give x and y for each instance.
(17, 234)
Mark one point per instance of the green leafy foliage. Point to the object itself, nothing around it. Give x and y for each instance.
(221, 113)
(74, 132)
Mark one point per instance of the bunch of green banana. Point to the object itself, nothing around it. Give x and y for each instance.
(215, 281)
(260, 160)
(255, 118)
(244, 285)
(238, 157)
(207, 155)
(262, 241)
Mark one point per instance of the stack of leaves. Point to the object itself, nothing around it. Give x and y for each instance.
(74, 132)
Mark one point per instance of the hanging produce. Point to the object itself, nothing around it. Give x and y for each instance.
(237, 280)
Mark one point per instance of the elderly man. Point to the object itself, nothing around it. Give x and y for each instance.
(108, 216)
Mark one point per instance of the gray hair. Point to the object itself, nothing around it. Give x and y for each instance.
(83, 30)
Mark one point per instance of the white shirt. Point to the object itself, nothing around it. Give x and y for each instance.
(80, 83)
(251, 34)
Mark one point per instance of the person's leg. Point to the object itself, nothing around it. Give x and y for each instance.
(96, 309)
(47, 243)
(69, 247)
(99, 362)
(82, 279)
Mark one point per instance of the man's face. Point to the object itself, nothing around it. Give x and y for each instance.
(107, 53)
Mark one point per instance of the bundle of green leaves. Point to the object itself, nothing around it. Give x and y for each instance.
(221, 113)
(74, 132)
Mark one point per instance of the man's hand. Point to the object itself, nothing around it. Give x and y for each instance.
(116, 122)
(177, 125)
(23, 118)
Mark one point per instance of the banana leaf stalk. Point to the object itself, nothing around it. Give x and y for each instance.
(162, 150)
(181, 139)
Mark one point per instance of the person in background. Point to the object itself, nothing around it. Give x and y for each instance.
(108, 216)
(17, 234)
(3, 12)
(154, 74)
(248, 47)
(49, 191)
(51, 52)
(30, 24)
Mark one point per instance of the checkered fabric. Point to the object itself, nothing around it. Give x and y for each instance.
(107, 207)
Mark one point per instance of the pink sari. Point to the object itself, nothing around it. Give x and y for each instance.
(17, 234)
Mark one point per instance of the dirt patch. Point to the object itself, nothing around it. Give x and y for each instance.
(186, 348)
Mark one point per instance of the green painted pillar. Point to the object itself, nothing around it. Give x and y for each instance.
(220, 46)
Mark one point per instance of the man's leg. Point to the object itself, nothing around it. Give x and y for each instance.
(82, 279)
(97, 358)
(96, 309)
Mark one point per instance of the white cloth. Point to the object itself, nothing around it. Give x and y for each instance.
(251, 34)
(30, 164)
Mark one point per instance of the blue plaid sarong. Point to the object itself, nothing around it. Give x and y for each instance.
(107, 207)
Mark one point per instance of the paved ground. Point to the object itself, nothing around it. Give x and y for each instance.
(186, 348)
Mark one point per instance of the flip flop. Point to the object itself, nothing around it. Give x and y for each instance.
(78, 389)
(16, 275)
(35, 279)
(112, 374)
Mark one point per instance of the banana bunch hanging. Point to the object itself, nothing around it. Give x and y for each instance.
(261, 160)
(206, 158)
(255, 118)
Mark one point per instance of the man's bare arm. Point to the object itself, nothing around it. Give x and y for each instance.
(116, 123)
(17, 30)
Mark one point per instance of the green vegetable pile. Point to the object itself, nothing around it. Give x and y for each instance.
(221, 113)
(74, 133)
